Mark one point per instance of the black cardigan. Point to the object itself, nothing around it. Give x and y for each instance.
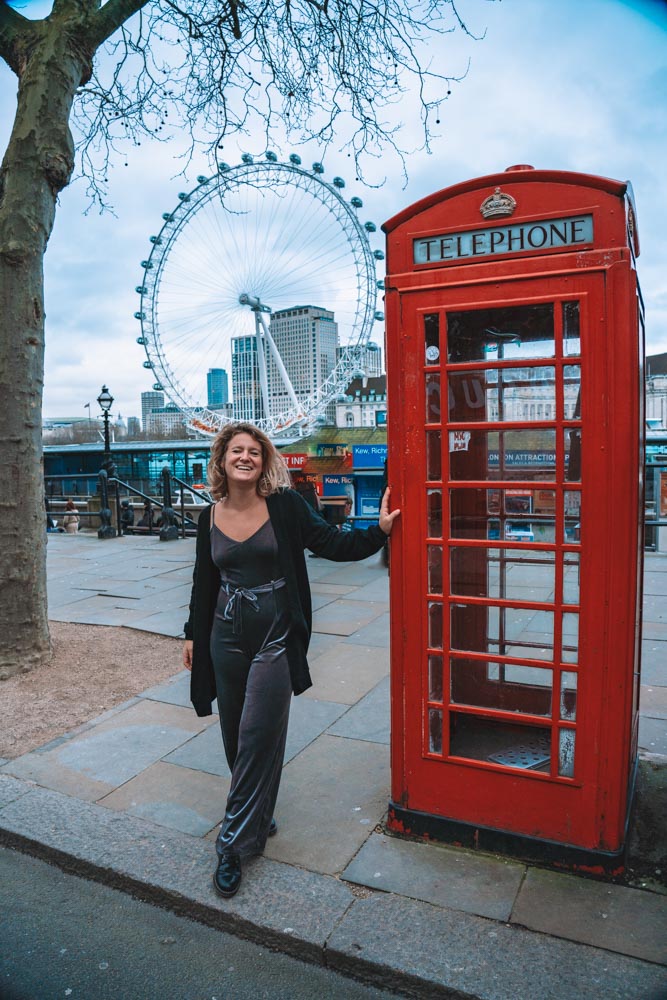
(297, 527)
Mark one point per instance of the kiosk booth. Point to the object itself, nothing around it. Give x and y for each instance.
(515, 384)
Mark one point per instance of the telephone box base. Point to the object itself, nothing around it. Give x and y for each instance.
(411, 823)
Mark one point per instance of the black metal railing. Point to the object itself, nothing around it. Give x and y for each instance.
(171, 522)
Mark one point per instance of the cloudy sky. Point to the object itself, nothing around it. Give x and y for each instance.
(566, 85)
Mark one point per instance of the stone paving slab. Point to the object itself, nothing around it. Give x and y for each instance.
(175, 691)
(165, 600)
(111, 616)
(343, 617)
(178, 797)
(45, 769)
(369, 718)
(11, 788)
(654, 583)
(654, 662)
(277, 905)
(654, 630)
(91, 765)
(331, 796)
(308, 720)
(136, 589)
(340, 590)
(321, 642)
(407, 944)
(345, 673)
(321, 569)
(655, 608)
(322, 600)
(60, 597)
(460, 880)
(374, 634)
(354, 574)
(654, 701)
(626, 921)
(374, 590)
(203, 752)
(166, 623)
(653, 735)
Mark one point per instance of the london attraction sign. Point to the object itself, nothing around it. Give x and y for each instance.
(546, 234)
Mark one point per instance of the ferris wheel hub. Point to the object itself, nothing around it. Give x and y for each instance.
(253, 302)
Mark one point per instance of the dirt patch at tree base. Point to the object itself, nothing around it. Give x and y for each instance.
(93, 668)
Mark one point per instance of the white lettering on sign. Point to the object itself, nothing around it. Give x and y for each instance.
(295, 461)
(459, 440)
(518, 238)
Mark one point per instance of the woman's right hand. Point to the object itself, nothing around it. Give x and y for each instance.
(187, 654)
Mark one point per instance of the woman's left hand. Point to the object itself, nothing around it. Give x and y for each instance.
(386, 519)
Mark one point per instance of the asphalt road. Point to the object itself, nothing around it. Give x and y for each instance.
(63, 936)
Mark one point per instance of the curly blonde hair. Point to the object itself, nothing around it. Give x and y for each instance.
(274, 471)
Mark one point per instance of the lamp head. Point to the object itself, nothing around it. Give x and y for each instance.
(105, 399)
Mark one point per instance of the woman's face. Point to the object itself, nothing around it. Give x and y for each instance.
(243, 461)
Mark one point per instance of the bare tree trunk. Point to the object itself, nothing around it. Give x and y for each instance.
(37, 165)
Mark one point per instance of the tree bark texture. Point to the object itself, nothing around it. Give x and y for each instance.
(38, 163)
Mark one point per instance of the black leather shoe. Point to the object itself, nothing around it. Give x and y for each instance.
(227, 876)
(273, 828)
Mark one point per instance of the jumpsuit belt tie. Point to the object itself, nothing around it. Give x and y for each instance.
(237, 595)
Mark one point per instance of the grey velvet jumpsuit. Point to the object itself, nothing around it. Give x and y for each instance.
(252, 680)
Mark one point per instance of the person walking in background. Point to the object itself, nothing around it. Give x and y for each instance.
(306, 488)
(347, 523)
(71, 518)
(249, 625)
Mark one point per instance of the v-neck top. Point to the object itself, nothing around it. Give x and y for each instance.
(250, 563)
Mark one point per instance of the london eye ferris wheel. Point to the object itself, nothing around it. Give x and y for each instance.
(252, 240)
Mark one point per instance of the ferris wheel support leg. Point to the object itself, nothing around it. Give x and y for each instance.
(261, 362)
(280, 365)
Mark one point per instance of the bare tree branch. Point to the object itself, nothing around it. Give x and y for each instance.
(110, 18)
(16, 34)
(320, 68)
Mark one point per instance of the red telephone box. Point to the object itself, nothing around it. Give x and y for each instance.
(515, 379)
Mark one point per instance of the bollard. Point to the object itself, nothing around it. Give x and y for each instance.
(106, 530)
(168, 524)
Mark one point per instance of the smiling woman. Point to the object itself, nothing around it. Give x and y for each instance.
(250, 620)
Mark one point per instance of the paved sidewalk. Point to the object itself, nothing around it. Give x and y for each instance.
(134, 798)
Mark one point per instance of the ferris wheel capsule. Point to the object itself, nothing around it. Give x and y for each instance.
(318, 168)
(295, 159)
(338, 182)
(271, 157)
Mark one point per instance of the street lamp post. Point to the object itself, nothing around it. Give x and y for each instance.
(108, 470)
(105, 402)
